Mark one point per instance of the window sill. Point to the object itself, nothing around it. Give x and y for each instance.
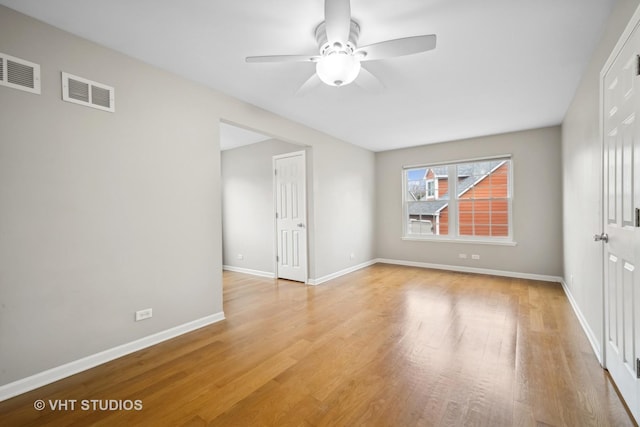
(463, 241)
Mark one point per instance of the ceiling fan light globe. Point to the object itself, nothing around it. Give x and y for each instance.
(338, 69)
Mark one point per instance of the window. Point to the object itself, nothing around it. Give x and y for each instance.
(432, 189)
(462, 201)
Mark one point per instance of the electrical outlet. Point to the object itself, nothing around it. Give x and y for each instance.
(474, 256)
(352, 255)
(462, 256)
(240, 256)
(144, 314)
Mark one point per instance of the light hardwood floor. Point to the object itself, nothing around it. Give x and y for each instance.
(384, 346)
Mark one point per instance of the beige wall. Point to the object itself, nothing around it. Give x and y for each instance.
(247, 204)
(102, 213)
(537, 204)
(582, 169)
(105, 214)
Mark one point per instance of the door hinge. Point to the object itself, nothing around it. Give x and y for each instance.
(638, 368)
(276, 215)
(275, 171)
(637, 217)
(637, 65)
(277, 258)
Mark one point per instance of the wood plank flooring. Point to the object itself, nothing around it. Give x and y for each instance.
(384, 346)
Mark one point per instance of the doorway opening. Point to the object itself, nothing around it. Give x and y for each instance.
(250, 233)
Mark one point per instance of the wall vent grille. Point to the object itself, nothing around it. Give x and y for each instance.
(87, 92)
(78, 91)
(101, 96)
(19, 74)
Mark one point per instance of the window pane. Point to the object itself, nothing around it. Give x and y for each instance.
(483, 198)
(416, 184)
(426, 201)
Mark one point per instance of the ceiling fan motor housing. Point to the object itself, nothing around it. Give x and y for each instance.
(326, 48)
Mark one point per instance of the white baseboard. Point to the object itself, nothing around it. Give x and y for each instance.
(340, 273)
(40, 379)
(593, 339)
(463, 269)
(249, 271)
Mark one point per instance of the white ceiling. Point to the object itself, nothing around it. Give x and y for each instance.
(499, 66)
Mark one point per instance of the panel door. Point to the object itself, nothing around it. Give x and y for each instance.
(291, 223)
(621, 198)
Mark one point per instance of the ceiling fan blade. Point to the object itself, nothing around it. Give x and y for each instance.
(397, 47)
(368, 81)
(283, 58)
(337, 18)
(308, 86)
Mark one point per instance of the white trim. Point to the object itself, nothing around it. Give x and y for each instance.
(290, 154)
(249, 271)
(591, 336)
(476, 270)
(43, 378)
(337, 274)
(462, 269)
(433, 238)
(455, 161)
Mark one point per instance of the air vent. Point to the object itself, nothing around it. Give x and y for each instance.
(88, 93)
(78, 91)
(19, 74)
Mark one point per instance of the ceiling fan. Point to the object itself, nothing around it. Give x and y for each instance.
(338, 62)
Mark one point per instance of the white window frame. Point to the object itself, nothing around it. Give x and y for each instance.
(454, 232)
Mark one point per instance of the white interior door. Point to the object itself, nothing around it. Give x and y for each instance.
(291, 216)
(621, 199)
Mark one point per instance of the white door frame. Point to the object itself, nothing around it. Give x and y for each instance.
(631, 26)
(275, 210)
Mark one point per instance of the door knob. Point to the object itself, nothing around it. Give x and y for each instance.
(301, 225)
(603, 236)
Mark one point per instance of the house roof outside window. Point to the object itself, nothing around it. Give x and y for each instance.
(471, 174)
